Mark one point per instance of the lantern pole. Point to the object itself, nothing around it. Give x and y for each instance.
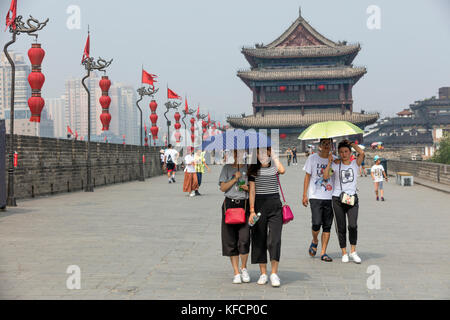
(170, 105)
(91, 65)
(143, 92)
(189, 112)
(17, 27)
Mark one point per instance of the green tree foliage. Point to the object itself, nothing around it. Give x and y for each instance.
(442, 155)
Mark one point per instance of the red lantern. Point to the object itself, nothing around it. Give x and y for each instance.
(283, 135)
(192, 121)
(105, 101)
(192, 129)
(192, 138)
(154, 131)
(36, 54)
(153, 118)
(282, 88)
(104, 83)
(321, 87)
(177, 116)
(204, 124)
(177, 126)
(153, 105)
(105, 118)
(36, 104)
(36, 80)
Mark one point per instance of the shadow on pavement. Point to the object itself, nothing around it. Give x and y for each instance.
(11, 211)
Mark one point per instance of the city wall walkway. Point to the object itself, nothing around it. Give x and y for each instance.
(148, 240)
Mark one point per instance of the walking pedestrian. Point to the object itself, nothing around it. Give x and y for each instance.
(289, 156)
(190, 176)
(377, 172)
(235, 237)
(294, 156)
(265, 199)
(318, 191)
(170, 160)
(200, 164)
(345, 199)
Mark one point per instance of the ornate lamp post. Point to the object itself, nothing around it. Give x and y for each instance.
(17, 27)
(143, 92)
(187, 111)
(91, 65)
(170, 105)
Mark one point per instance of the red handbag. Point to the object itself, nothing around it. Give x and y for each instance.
(234, 215)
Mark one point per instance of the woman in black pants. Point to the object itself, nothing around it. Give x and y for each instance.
(345, 181)
(235, 237)
(265, 199)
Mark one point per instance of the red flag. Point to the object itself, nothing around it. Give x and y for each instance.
(76, 135)
(69, 130)
(209, 118)
(172, 95)
(148, 78)
(10, 20)
(145, 128)
(86, 49)
(198, 112)
(186, 108)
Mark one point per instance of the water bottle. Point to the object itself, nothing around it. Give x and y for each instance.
(255, 219)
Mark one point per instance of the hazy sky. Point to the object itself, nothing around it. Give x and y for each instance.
(194, 46)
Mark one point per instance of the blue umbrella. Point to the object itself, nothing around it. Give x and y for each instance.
(236, 139)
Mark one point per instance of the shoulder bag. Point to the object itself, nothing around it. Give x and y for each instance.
(287, 212)
(234, 215)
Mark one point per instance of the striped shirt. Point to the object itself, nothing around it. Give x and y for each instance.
(266, 182)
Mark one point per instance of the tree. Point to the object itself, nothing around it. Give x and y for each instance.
(442, 154)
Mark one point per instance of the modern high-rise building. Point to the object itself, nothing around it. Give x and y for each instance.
(56, 109)
(122, 109)
(22, 113)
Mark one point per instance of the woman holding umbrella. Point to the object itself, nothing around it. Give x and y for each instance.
(344, 198)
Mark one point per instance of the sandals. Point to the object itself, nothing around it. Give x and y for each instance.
(313, 249)
(326, 258)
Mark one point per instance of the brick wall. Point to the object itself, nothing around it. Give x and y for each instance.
(48, 165)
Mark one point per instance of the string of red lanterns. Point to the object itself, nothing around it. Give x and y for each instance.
(177, 126)
(105, 101)
(154, 118)
(192, 129)
(36, 80)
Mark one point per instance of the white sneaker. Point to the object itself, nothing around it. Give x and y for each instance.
(262, 279)
(355, 257)
(245, 275)
(237, 279)
(192, 194)
(345, 258)
(274, 280)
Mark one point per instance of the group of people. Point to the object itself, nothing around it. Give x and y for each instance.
(330, 188)
(194, 168)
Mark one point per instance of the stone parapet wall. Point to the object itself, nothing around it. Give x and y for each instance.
(434, 172)
(49, 166)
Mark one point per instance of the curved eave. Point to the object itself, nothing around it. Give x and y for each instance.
(300, 52)
(298, 121)
(300, 74)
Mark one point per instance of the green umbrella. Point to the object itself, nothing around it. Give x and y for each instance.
(329, 129)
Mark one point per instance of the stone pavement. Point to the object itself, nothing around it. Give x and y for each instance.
(147, 240)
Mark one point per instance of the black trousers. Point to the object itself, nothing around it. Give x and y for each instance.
(235, 237)
(341, 212)
(266, 233)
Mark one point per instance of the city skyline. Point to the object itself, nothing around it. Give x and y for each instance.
(200, 60)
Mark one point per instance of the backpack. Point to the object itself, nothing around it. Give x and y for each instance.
(169, 159)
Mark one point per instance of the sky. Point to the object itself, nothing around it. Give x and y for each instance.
(195, 46)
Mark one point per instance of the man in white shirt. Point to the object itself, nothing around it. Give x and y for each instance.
(318, 191)
(377, 172)
(170, 160)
